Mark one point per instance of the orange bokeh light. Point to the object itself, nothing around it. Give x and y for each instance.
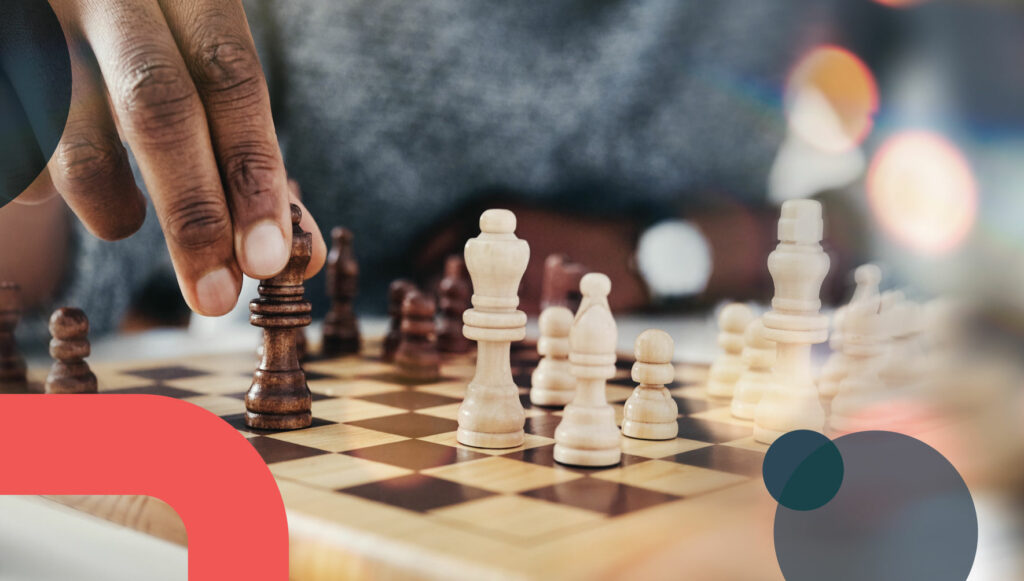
(831, 99)
(900, 3)
(922, 192)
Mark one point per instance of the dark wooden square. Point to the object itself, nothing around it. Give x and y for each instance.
(542, 425)
(410, 425)
(723, 458)
(710, 431)
(415, 454)
(157, 389)
(603, 496)
(417, 492)
(690, 405)
(274, 450)
(167, 373)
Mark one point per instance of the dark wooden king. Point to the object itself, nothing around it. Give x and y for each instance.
(279, 398)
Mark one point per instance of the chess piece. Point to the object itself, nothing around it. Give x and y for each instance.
(728, 366)
(651, 412)
(905, 368)
(758, 356)
(491, 415)
(279, 398)
(864, 345)
(12, 364)
(867, 277)
(454, 295)
(416, 356)
(341, 330)
(561, 282)
(552, 381)
(69, 348)
(798, 266)
(587, 434)
(396, 295)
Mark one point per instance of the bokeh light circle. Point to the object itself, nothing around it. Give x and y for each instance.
(831, 99)
(922, 192)
(803, 470)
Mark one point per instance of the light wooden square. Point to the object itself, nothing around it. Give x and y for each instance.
(213, 384)
(519, 517)
(335, 471)
(348, 367)
(218, 404)
(748, 443)
(671, 478)
(338, 437)
(449, 439)
(502, 474)
(448, 411)
(456, 389)
(660, 448)
(350, 410)
(350, 387)
(723, 415)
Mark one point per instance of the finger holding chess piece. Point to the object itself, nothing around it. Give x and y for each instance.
(552, 381)
(279, 398)
(12, 363)
(728, 366)
(587, 434)
(417, 357)
(650, 412)
(69, 348)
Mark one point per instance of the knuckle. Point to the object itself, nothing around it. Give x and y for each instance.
(227, 69)
(88, 156)
(155, 92)
(195, 222)
(249, 171)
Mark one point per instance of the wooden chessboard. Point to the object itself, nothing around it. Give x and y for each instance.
(379, 487)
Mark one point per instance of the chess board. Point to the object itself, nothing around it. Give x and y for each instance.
(379, 487)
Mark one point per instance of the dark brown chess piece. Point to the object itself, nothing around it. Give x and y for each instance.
(454, 292)
(341, 330)
(279, 398)
(416, 356)
(69, 348)
(396, 295)
(12, 364)
(560, 285)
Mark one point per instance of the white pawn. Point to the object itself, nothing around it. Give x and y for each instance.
(553, 382)
(759, 356)
(798, 266)
(864, 346)
(651, 412)
(728, 366)
(905, 369)
(587, 434)
(491, 415)
(867, 277)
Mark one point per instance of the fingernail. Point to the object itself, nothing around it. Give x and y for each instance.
(265, 250)
(216, 292)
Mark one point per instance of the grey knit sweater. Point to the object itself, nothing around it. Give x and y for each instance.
(391, 113)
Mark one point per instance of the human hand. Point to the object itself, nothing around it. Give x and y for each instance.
(181, 82)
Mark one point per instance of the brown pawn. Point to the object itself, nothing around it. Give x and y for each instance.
(416, 356)
(12, 364)
(279, 398)
(341, 331)
(69, 348)
(560, 285)
(455, 292)
(396, 295)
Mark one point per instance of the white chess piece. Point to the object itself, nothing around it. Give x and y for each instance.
(904, 368)
(552, 381)
(650, 412)
(865, 346)
(798, 266)
(867, 277)
(759, 356)
(728, 366)
(587, 434)
(491, 415)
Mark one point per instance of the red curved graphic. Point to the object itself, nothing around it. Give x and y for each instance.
(160, 447)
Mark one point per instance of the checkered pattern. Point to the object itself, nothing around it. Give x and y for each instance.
(380, 438)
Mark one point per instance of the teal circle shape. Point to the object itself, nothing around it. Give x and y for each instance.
(803, 470)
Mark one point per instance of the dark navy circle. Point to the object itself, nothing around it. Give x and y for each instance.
(35, 92)
(803, 470)
(903, 513)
